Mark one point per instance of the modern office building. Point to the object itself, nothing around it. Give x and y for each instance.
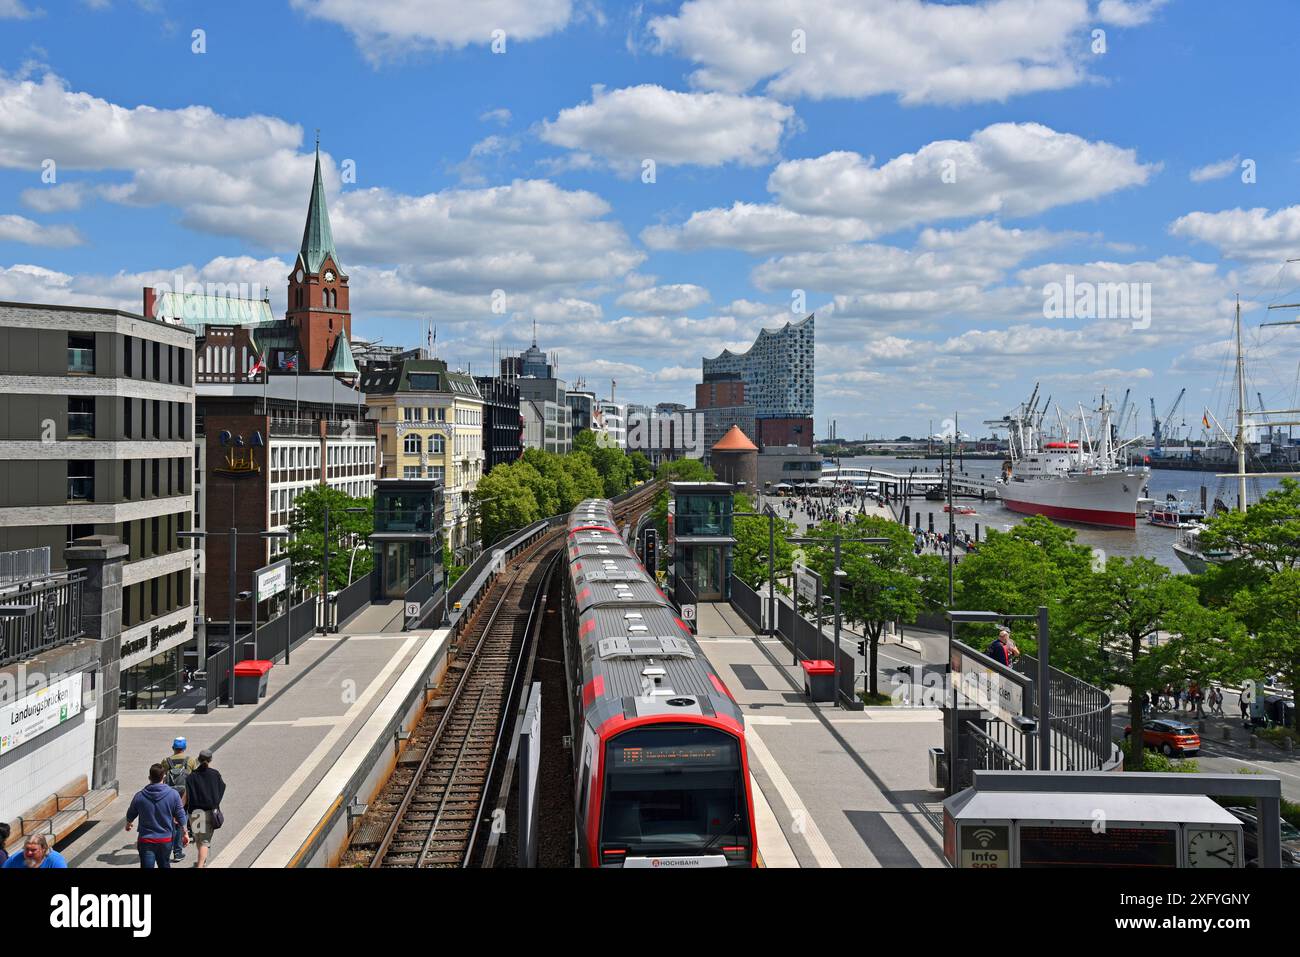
(430, 422)
(611, 419)
(777, 376)
(545, 410)
(503, 424)
(97, 439)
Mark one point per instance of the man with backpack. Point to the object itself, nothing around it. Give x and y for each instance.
(161, 815)
(177, 769)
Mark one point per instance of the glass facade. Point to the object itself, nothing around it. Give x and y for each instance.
(150, 683)
(408, 538)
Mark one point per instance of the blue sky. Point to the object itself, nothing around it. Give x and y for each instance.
(917, 173)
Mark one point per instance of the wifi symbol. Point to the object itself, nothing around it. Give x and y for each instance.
(985, 835)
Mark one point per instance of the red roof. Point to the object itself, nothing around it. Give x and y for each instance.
(735, 441)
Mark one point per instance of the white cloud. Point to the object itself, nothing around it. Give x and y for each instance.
(20, 229)
(678, 297)
(923, 52)
(630, 125)
(1217, 170)
(1007, 169)
(755, 228)
(1245, 233)
(385, 28)
(55, 198)
(1128, 13)
(501, 116)
(15, 10)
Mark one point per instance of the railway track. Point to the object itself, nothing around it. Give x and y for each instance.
(428, 812)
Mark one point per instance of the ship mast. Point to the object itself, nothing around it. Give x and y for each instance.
(1241, 417)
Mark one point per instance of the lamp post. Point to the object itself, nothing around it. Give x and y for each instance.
(232, 622)
(325, 569)
(1044, 697)
(837, 573)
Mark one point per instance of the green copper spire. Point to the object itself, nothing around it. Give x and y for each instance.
(341, 362)
(318, 238)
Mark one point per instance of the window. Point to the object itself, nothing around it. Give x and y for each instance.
(126, 479)
(439, 445)
(157, 362)
(128, 413)
(81, 480)
(411, 471)
(81, 418)
(79, 531)
(157, 418)
(128, 352)
(81, 354)
(412, 445)
(156, 475)
(153, 534)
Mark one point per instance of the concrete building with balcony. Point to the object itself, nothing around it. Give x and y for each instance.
(97, 439)
(430, 426)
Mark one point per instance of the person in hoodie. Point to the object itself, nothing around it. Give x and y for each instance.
(158, 807)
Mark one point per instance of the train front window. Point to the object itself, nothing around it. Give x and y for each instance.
(674, 789)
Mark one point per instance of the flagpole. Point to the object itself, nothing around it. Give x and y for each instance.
(297, 371)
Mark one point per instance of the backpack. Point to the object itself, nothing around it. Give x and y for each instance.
(178, 772)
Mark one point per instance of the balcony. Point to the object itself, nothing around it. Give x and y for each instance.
(81, 361)
(310, 429)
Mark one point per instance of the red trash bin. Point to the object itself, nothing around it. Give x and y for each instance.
(819, 679)
(251, 679)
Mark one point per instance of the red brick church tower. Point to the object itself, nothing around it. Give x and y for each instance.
(318, 287)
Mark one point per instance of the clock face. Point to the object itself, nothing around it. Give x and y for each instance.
(329, 275)
(299, 276)
(1211, 847)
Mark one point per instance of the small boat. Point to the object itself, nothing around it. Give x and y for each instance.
(1176, 514)
(959, 509)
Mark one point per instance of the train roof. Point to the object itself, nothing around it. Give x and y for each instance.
(640, 661)
(605, 567)
(616, 590)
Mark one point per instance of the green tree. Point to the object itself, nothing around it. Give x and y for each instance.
(1266, 536)
(750, 553)
(349, 533)
(1017, 571)
(882, 583)
(684, 470)
(642, 471)
(505, 500)
(1273, 609)
(1134, 623)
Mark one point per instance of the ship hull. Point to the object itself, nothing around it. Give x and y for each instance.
(1108, 499)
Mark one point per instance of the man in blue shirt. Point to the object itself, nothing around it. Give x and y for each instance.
(36, 853)
(158, 806)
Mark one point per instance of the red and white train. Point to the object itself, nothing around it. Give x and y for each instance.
(662, 775)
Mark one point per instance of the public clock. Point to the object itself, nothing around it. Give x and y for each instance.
(329, 275)
(299, 275)
(1211, 847)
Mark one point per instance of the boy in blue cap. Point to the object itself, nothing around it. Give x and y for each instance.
(178, 769)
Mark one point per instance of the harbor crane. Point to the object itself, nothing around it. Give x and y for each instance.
(1160, 425)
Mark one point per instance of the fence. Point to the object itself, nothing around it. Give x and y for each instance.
(296, 625)
(801, 636)
(39, 616)
(1079, 717)
(24, 564)
(351, 600)
(216, 685)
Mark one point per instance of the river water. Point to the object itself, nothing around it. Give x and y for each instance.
(1147, 540)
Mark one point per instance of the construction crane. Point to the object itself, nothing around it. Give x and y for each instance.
(1160, 425)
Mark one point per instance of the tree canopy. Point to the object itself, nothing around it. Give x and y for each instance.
(349, 532)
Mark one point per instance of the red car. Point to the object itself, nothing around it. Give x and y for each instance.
(1168, 736)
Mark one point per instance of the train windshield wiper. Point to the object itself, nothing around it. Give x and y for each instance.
(735, 819)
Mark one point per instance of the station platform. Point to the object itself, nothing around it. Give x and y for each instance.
(846, 788)
(274, 755)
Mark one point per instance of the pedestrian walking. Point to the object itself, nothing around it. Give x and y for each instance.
(36, 853)
(203, 803)
(160, 812)
(178, 769)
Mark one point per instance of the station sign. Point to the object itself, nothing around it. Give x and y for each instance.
(986, 846)
(986, 688)
(806, 582)
(688, 612)
(272, 580)
(44, 710)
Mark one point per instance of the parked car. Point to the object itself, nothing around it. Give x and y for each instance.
(1169, 737)
(1250, 836)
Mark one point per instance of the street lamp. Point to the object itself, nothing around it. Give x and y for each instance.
(1044, 650)
(232, 625)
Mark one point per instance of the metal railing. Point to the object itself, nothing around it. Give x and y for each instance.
(24, 564)
(39, 616)
(310, 428)
(987, 753)
(1079, 717)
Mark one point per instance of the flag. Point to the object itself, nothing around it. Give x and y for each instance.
(291, 363)
(1205, 420)
(258, 367)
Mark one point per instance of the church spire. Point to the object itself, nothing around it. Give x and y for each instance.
(317, 237)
